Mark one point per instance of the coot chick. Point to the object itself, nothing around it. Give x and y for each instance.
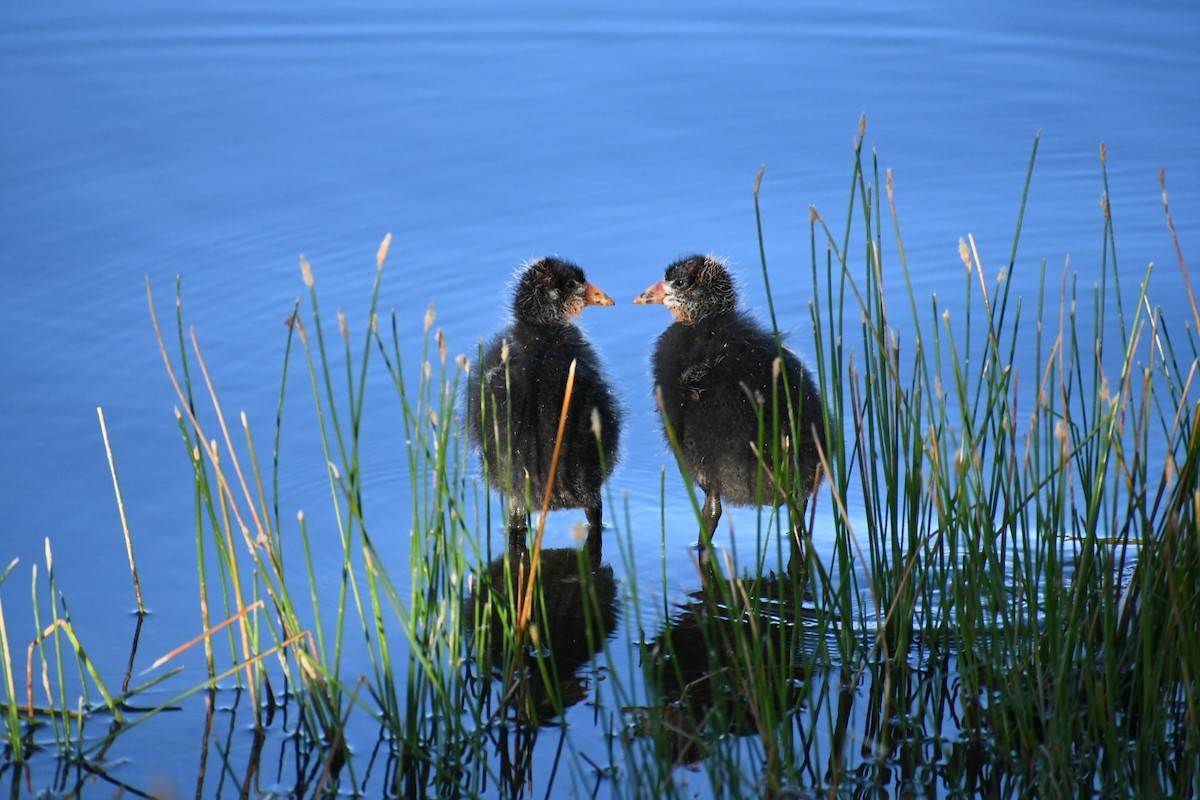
(715, 368)
(522, 381)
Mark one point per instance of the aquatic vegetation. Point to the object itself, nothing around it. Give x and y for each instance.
(1009, 606)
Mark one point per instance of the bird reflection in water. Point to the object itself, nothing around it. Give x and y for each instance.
(531, 676)
(735, 658)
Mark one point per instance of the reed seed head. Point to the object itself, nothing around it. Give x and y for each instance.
(382, 254)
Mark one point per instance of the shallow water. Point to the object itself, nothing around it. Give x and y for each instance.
(219, 144)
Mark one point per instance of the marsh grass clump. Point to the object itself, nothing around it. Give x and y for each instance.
(1014, 518)
(1002, 600)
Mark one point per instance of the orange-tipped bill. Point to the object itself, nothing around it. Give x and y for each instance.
(655, 294)
(595, 297)
(591, 297)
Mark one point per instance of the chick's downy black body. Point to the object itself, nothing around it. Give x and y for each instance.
(515, 400)
(725, 392)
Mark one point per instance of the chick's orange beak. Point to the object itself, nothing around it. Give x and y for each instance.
(655, 294)
(593, 296)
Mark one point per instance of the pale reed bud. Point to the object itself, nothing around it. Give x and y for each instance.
(381, 255)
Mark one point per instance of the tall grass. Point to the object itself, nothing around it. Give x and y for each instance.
(1014, 522)
(1008, 605)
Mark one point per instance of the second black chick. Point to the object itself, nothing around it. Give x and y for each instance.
(716, 367)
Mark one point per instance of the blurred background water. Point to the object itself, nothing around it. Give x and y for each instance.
(219, 143)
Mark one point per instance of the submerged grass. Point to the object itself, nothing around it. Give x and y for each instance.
(1008, 606)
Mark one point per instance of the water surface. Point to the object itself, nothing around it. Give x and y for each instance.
(220, 144)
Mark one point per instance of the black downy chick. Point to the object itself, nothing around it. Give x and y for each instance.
(515, 400)
(715, 366)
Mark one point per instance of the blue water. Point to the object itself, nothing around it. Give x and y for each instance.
(221, 143)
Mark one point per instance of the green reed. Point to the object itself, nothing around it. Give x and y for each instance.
(12, 721)
(1019, 543)
(59, 679)
(1005, 508)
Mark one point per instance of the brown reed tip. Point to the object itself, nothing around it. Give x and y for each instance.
(758, 179)
(381, 255)
(429, 315)
(1103, 153)
(964, 253)
(306, 271)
